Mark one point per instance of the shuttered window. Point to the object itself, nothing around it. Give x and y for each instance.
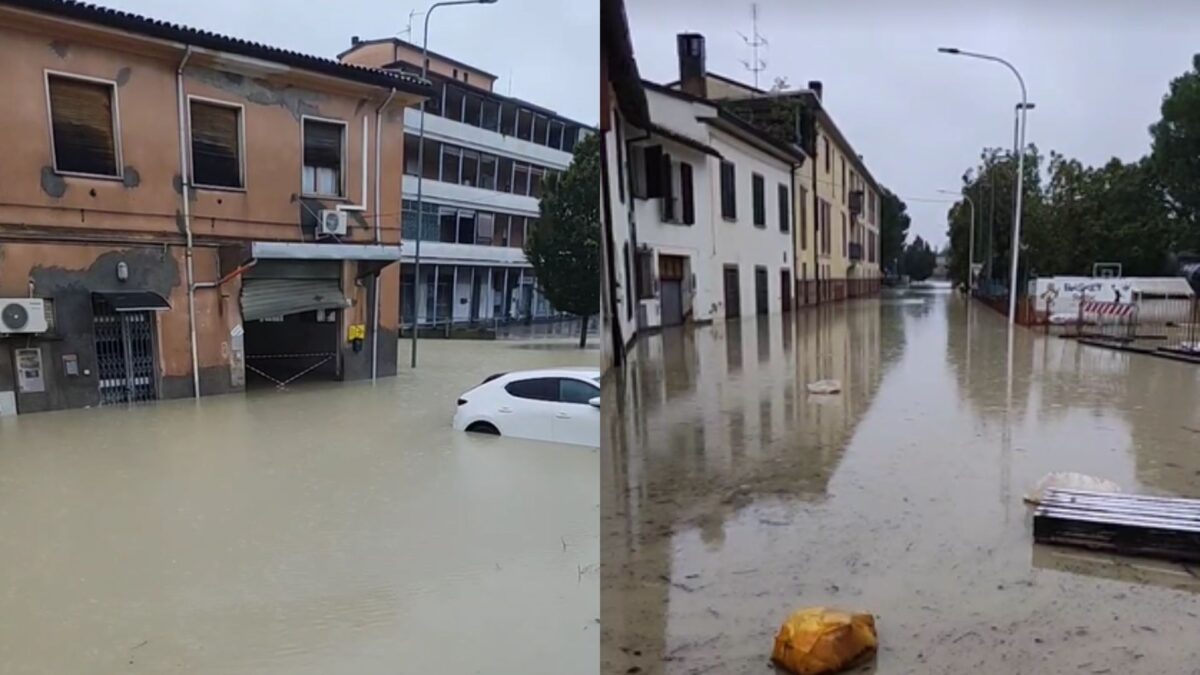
(83, 126)
(728, 191)
(784, 208)
(216, 144)
(323, 158)
(686, 195)
(758, 192)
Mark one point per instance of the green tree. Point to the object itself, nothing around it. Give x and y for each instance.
(919, 259)
(1175, 153)
(893, 229)
(564, 246)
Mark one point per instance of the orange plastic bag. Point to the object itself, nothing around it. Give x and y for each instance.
(822, 640)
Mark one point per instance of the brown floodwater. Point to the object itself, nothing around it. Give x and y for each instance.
(335, 528)
(732, 497)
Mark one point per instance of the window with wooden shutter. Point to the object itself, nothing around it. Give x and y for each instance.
(83, 126)
(668, 185)
(652, 161)
(216, 144)
(784, 208)
(728, 191)
(323, 158)
(758, 192)
(686, 193)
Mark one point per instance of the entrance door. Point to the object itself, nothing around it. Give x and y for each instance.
(733, 303)
(124, 354)
(760, 291)
(785, 287)
(577, 420)
(670, 275)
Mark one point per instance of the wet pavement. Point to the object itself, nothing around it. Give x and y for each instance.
(335, 528)
(731, 497)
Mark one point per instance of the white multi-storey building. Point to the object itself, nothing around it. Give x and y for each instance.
(486, 158)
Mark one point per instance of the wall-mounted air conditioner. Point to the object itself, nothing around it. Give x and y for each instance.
(331, 223)
(22, 316)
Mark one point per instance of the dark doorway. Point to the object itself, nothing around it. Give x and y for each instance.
(785, 287)
(733, 304)
(670, 276)
(761, 304)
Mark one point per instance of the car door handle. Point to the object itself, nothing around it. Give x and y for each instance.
(563, 416)
(505, 409)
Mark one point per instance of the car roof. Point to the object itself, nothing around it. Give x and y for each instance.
(584, 372)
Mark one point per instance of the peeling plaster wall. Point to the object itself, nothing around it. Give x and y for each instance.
(69, 274)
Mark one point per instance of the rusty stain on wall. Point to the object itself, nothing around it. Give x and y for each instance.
(293, 99)
(52, 183)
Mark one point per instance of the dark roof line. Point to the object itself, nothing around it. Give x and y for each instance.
(164, 30)
(403, 43)
(685, 141)
(734, 124)
(623, 76)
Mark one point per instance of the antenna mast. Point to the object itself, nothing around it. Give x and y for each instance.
(754, 41)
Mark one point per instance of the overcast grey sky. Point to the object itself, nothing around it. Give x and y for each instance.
(1096, 70)
(547, 49)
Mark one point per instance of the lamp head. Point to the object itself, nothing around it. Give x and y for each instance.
(948, 50)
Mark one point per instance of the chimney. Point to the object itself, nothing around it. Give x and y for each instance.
(354, 40)
(818, 89)
(691, 64)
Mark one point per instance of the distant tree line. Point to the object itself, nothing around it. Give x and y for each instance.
(1143, 214)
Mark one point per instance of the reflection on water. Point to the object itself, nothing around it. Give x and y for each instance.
(331, 529)
(732, 497)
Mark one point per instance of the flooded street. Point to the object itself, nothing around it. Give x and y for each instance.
(335, 528)
(732, 497)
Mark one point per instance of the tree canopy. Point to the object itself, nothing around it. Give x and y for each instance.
(1143, 214)
(893, 229)
(919, 259)
(564, 246)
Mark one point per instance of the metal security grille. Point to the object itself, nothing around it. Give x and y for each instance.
(124, 355)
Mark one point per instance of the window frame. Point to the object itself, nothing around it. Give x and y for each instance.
(731, 214)
(758, 200)
(118, 152)
(784, 196)
(341, 171)
(241, 108)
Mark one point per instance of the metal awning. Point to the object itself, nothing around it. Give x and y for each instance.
(290, 250)
(134, 301)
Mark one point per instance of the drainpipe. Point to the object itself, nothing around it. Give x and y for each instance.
(185, 191)
(794, 231)
(378, 230)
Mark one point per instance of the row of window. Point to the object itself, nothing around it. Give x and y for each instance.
(85, 138)
(454, 164)
(555, 389)
(758, 190)
(452, 225)
(855, 183)
(504, 117)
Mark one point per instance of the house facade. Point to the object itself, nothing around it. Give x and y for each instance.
(481, 172)
(624, 113)
(183, 213)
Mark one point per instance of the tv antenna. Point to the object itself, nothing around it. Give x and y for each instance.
(407, 32)
(754, 41)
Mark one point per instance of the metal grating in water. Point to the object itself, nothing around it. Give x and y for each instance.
(124, 355)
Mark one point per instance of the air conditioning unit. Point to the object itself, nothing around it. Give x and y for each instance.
(330, 223)
(22, 315)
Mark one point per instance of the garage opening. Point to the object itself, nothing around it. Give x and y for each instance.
(292, 313)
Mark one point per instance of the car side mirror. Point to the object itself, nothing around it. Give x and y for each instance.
(594, 402)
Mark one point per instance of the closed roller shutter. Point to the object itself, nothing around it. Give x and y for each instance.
(262, 298)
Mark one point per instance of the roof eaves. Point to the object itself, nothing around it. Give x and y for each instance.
(163, 30)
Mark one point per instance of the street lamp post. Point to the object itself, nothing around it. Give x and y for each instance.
(1021, 108)
(971, 240)
(416, 327)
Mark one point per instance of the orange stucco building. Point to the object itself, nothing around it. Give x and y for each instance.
(193, 211)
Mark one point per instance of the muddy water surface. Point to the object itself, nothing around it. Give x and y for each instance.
(330, 529)
(732, 497)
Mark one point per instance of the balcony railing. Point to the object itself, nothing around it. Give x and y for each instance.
(856, 251)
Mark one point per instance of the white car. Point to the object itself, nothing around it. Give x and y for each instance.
(561, 405)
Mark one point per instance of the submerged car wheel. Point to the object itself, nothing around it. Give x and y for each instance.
(483, 428)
